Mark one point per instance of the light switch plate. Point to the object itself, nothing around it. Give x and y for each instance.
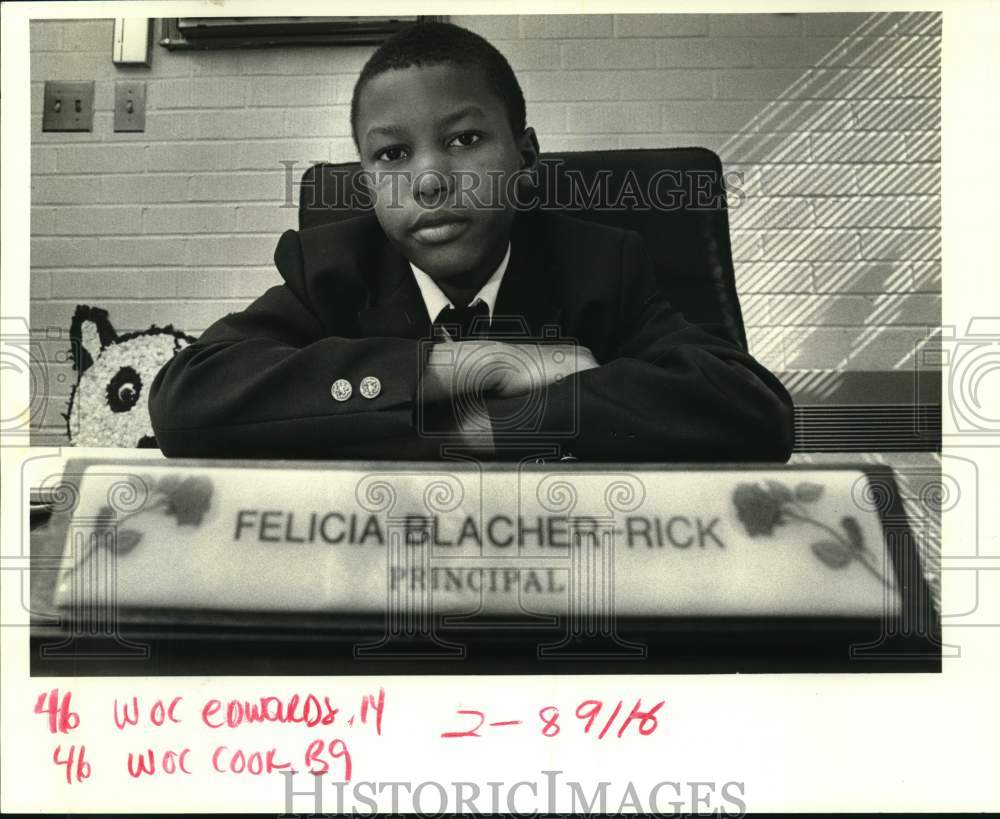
(69, 106)
(130, 105)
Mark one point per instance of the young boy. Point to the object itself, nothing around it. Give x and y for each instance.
(453, 317)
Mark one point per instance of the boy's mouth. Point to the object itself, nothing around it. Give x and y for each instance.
(438, 228)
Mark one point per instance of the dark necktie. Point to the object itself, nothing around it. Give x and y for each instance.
(464, 322)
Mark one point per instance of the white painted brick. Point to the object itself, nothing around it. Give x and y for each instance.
(101, 158)
(265, 155)
(725, 117)
(99, 220)
(914, 243)
(806, 115)
(755, 83)
(88, 35)
(76, 66)
(900, 309)
(768, 148)
(491, 26)
(548, 86)
(660, 25)
(311, 60)
(621, 118)
(246, 123)
(701, 52)
(136, 251)
(920, 82)
(244, 186)
(927, 276)
(212, 282)
(743, 25)
(60, 252)
(894, 348)
(857, 146)
(819, 348)
(561, 26)
(226, 62)
(765, 345)
(839, 24)
(37, 101)
(779, 212)
(914, 52)
(821, 310)
(925, 211)
(103, 284)
(667, 84)
(923, 146)
(43, 159)
(774, 277)
(756, 310)
(547, 118)
(747, 245)
(597, 142)
(143, 188)
(185, 219)
(862, 277)
(849, 83)
(610, 54)
(40, 284)
(898, 115)
(230, 250)
(713, 142)
(192, 156)
(792, 52)
(199, 92)
(303, 123)
(810, 245)
(42, 221)
(863, 211)
(524, 54)
(45, 35)
(265, 219)
(809, 180)
(926, 23)
(286, 92)
(911, 179)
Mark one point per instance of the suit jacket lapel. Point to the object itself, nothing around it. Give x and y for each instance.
(526, 301)
(400, 311)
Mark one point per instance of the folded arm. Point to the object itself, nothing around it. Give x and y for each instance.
(672, 392)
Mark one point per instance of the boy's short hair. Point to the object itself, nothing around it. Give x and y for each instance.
(428, 44)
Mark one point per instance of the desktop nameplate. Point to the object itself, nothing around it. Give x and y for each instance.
(454, 540)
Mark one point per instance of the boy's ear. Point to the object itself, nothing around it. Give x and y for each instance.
(527, 144)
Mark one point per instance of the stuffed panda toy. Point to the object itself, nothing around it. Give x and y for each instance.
(109, 404)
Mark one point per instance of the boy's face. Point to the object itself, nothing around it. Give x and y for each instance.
(444, 162)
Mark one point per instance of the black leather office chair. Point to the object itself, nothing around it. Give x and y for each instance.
(674, 197)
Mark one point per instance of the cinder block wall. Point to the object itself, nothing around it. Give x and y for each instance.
(833, 120)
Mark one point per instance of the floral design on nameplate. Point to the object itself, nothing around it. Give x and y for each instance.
(763, 507)
(185, 499)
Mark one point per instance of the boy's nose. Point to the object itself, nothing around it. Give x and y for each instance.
(430, 186)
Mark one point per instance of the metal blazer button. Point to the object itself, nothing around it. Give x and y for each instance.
(370, 387)
(341, 389)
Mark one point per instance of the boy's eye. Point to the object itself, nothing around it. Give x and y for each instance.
(391, 154)
(465, 140)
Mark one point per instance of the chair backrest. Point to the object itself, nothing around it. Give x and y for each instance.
(674, 197)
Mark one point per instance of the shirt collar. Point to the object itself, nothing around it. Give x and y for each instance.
(435, 301)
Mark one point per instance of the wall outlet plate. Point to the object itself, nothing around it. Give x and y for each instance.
(69, 106)
(130, 105)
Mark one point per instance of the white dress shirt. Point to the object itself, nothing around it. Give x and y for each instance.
(435, 301)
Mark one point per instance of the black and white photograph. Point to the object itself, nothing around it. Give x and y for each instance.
(526, 383)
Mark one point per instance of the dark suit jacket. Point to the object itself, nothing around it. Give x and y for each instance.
(257, 383)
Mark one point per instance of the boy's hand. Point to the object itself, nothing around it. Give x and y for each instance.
(519, 369)
(500, 369)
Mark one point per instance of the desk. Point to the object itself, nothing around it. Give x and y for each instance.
(288, 643)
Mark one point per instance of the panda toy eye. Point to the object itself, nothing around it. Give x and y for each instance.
(124, 390)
